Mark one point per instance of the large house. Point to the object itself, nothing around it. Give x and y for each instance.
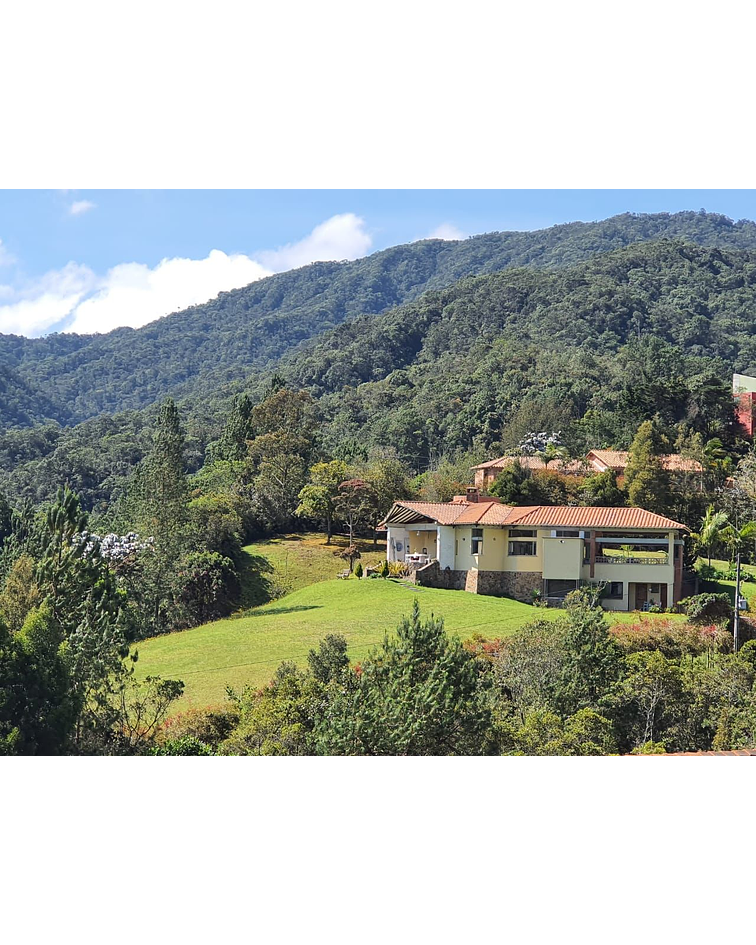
(478, 544)
(596, 461)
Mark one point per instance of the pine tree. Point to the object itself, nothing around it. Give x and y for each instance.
(232, 445)
(159, 486)
(646, 480)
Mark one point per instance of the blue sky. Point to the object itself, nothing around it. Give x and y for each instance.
(93, 260)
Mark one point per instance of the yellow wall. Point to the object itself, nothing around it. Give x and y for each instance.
(634, 573)
(493, 557)
(464, 560)
(421, 539)
(525, 562)
(562, 558)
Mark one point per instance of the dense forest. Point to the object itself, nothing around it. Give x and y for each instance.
(210, 350)
(652, 330)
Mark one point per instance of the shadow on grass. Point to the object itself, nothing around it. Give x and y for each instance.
(281, 610)
(256, 586)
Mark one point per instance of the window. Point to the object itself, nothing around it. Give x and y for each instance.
(477, 541)
(559, 589)
(522, 533)
(566, 533)
(615, 590)
(522, 547)
(653, 588)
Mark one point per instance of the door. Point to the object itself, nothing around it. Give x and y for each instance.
(641, 596)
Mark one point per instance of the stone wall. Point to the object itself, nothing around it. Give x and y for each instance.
(517, 584)
(433, 575)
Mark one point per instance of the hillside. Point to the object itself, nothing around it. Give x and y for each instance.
(591, 350)
(210, 350)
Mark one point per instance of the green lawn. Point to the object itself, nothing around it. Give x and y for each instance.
(290, 562)
(747, 588)
(246, 650)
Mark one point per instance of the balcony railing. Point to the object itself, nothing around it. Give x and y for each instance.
(631, 559)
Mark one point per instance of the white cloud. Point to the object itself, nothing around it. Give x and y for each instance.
(446, 231)
(37, 308)
(81, 206)
(73, 299)
(133, 294)
(341, 237)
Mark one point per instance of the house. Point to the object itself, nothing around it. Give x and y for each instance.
(744, 392)
(596, 461)
(478, 544)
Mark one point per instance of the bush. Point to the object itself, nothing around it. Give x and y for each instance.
(358, 570)
(209, 726)
(707, 608)
(672, 638)
(186, 745)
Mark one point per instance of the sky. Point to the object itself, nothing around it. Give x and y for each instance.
(92, 261)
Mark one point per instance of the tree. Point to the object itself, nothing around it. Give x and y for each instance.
(601, 489)
(646, 481)
(159, 490)
(317, 499)
(232, 445)
(6, 519)
(417, 694)
(207, 582)
(20, 594)
(736, 538)
(355, 503)
(712, 530)
(38, 706)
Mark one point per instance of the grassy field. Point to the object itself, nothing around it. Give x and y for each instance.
(246, 650)
(290, 562)
(747, 588)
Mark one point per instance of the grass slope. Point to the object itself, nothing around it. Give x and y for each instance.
(290, 562)
(246, 650)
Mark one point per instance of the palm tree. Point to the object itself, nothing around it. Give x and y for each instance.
(550, 453)
(735, 538)
(712, 530)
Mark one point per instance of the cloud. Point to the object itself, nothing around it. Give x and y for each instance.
(81, 206)
(74, 299)
(133, 294)
(446, 231)
(37, 308)
(341, 237)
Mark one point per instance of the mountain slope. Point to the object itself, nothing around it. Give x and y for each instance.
(208, 350)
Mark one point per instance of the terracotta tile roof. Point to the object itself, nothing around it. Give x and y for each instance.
(487, 512)
(536, 464)
(484, 513)
(618, 460)
(563, 516)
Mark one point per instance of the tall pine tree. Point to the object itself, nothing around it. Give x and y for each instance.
(646, 481)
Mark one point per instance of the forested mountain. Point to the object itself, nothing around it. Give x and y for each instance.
(210, 350)
(592, 350)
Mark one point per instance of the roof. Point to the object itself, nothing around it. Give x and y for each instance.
(618, 460)
(536, 463)
(568, 516)
(490, 512)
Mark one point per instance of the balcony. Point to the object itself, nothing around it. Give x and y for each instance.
(650, 558)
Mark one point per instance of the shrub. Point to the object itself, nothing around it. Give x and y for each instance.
(672, 638)
(358, 570)
(385, 570)
(186, 745)
(707, 608)
(209, 726)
